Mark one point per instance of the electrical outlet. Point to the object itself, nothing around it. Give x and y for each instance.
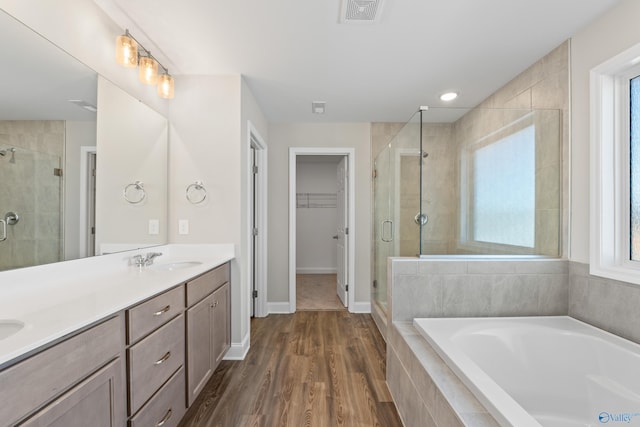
(154, 226)
(183, 226)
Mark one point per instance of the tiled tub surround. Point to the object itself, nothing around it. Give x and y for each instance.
(55, 300)
(607, 304)
(464, 286)
(426, 391)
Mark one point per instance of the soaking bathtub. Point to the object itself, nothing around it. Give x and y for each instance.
(541, 371)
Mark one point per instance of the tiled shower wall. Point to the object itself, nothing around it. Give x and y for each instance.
(544, 86)
(30, 188)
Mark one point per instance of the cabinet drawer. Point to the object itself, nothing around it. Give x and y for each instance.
(167, 407)
(38, 379)
(153, 360)
(145, 317)
(202, 286)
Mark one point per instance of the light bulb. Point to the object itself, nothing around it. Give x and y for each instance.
(126, 51)
(165, 86)
(148, 70)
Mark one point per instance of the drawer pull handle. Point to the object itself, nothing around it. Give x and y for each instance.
(163, 359)
(165, 418)
(161, 312)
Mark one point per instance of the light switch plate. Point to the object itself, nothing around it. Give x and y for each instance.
(154, 226)
(183, 226)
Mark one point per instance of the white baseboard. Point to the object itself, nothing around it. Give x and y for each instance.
(360, 307)
(238, 351)
(312, 270)
(278, 307)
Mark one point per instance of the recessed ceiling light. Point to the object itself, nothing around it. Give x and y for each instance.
(449, 96)
(84, 104)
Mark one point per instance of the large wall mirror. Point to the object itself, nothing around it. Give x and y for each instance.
(60, 121)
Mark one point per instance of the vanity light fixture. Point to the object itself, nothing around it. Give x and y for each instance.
(449, 96)
(130, 53)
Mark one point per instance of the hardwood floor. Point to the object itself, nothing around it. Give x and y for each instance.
(317, 292)
(311, 368)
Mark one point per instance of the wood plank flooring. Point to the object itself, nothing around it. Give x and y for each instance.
(311, 368)
(317, 292)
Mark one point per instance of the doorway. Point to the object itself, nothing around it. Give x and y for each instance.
(88, 161)
(321, 253)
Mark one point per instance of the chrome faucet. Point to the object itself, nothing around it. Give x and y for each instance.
(150, 257)
(146, 260)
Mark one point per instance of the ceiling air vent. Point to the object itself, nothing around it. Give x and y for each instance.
(360, 11)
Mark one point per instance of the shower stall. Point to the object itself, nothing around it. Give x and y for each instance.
(30, 207)
(468, 182)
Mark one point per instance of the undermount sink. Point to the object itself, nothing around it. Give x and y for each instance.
(170, 266)
(9, 327)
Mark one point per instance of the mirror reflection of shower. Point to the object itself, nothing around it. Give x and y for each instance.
(12, 150)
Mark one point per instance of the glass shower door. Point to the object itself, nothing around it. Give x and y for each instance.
(32, 187)
(396, 203)
(383, 227)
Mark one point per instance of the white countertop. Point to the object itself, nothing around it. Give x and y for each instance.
(55, 300)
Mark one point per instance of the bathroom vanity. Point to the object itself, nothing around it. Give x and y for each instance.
(119, 345)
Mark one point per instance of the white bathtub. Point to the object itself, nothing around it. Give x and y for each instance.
(542, 371)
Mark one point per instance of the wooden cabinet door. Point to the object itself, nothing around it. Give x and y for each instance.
(97, 401)
(200, 356)
(221, 323)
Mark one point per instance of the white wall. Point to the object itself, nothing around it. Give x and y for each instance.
(285, 135)
(609, 35)
(316, 250)
(209, 143)
(131, 145)
(205, 146)
(77, 134)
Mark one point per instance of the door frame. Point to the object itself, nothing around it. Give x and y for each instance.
(85, 151)
(255, 140)
(349, 153)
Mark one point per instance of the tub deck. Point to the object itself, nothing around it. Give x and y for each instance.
(426, 391)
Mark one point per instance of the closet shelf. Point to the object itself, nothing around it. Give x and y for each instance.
(316, 200)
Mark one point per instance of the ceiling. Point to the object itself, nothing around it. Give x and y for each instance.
(33, 91)
(293, 52)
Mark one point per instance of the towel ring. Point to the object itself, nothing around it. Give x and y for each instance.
(196, 193)
(134, 193)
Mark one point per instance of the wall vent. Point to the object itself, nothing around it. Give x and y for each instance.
(360, 11)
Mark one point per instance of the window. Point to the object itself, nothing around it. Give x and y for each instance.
(634, 167)
(615, 168)
(503, 187)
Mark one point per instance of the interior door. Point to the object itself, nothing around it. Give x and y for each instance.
(343, 232)
(254, 229)
(91, 204)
